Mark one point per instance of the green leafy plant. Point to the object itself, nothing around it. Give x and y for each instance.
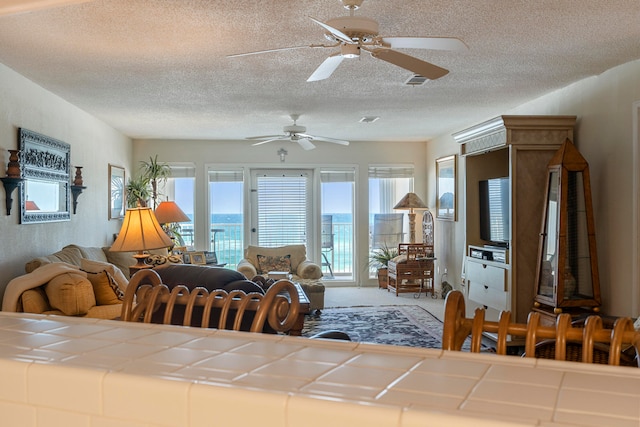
(137, 192)
(154, 173)
(379, 258)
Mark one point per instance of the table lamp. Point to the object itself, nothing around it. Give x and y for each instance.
(411, 201)
(169, 212)
(140, 232)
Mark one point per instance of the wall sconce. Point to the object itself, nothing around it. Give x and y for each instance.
(13, 179)
(77, 188)
(282, 153)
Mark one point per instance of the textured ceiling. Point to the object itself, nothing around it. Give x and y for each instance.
(159, 68)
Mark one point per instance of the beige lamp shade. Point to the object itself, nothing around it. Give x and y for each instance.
(140, 232)
(410, 201)
(169, 212)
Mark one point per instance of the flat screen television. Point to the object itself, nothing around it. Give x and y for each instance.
(494, 211)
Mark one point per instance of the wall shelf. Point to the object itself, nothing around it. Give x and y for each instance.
(10, 184)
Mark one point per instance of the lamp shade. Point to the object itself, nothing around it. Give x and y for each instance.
(140, 231)
(30, 205)
(410, 201)
(168, 212)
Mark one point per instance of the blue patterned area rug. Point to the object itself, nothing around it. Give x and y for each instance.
(406, 325)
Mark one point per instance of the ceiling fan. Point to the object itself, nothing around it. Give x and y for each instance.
(296, 133)
(352, 34)
(10, 7)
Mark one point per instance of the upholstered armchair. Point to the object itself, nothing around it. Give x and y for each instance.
(291, 259)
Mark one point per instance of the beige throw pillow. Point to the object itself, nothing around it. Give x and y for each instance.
(70, 293)
(35, 301)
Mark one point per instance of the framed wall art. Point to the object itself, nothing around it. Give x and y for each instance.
(117, 198)
(446, 182)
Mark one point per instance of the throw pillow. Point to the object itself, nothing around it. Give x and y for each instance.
(268, 263)
(35, 301)
(70, 293)
(98, 266)
(105, 288)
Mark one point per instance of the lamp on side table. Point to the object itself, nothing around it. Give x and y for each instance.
(411, 201)
(140, 232)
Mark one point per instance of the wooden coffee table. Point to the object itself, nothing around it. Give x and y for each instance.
(305, 308)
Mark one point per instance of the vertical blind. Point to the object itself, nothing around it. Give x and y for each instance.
(388, 178)
(282, 209)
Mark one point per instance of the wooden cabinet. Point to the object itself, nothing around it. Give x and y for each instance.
(517, 148)
(488, 283)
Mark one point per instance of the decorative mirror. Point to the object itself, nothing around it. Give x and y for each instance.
(567, 274)
(44, 193)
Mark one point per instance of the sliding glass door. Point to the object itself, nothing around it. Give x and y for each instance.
(281, 207)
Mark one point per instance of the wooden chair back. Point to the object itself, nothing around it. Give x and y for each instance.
(563, 335)
(146, 295)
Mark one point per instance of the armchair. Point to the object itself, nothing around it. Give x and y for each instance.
(290, 258)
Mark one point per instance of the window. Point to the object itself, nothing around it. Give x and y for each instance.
(226, 221)
(180, 188)
(337, 216)
(387, 185)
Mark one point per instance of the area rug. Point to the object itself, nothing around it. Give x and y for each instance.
(406, 325)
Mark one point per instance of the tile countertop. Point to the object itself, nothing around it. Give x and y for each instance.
(60, 371)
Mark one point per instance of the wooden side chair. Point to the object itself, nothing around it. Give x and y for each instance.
(148, 300)
(590, 343)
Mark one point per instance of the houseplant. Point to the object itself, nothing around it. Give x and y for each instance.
(146, 185)
(154, 173)
(137, 192)
(379, 258)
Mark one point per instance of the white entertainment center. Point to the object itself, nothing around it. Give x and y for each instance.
(517, 148)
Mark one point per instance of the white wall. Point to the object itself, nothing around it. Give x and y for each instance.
(93, 146)
(359, 154)
(604, 136)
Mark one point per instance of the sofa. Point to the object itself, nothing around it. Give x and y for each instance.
(291, 259)
(74, 254)
(210, 278)
(75, 281)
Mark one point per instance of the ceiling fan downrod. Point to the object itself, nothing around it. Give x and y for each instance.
(352, 4)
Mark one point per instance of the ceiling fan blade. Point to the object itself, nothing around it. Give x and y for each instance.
(268, 137)
(10, 7)
(326, 139)
(306, 144)
(337, 33)
(410, 63)
(269, 140)
(327, 68)
(258, 52)
(435, 43)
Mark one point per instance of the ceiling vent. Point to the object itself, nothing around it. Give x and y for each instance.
(416, 80)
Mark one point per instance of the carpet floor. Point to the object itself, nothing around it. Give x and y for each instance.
(406, 325)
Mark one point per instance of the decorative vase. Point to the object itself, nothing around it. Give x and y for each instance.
(78, 178)
(13, 168)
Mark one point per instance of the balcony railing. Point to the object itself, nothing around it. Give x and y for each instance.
(229, 246)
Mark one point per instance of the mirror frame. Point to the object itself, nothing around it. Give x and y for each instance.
(47, 160)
